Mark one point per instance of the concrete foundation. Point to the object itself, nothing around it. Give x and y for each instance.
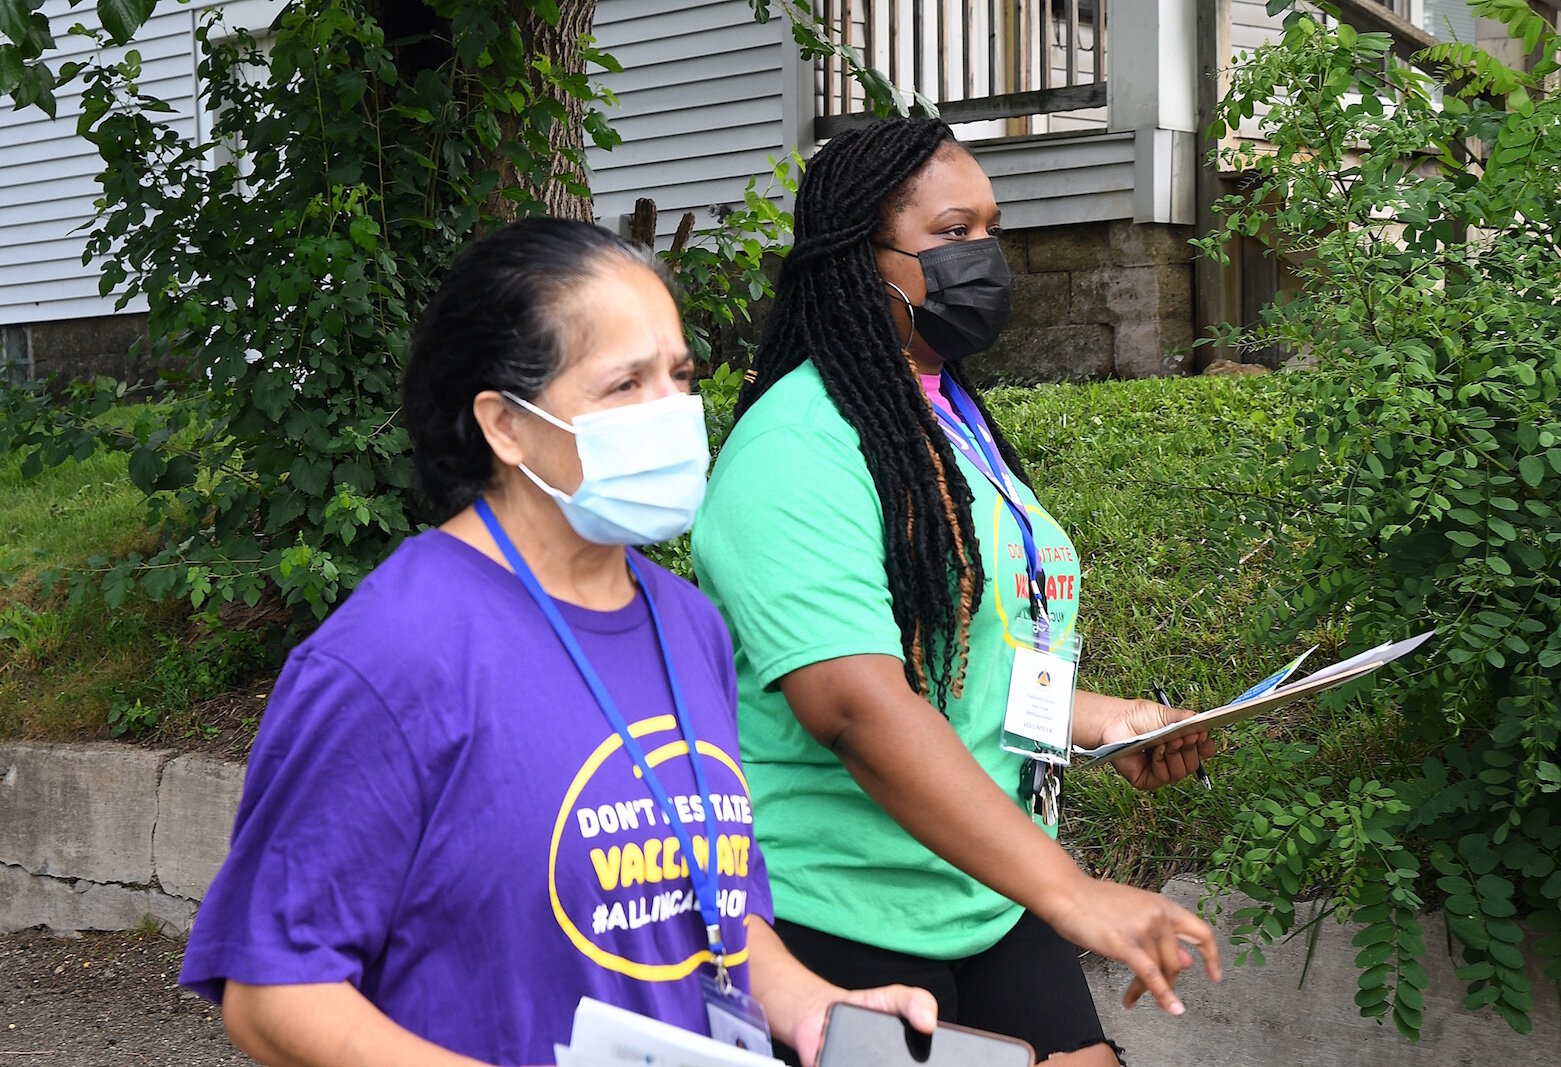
(81, 349)
(195, 806)
(80, 811)
(1095, 300)
(65, 906)
(97, 837)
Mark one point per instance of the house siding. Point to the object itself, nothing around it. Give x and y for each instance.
(1251, 25)
(702, 106)
(1447, 20)
(48, 175)
(708, 96)
(1059, 181)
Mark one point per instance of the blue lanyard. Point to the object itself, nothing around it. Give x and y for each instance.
(974, 441)
(705, 880)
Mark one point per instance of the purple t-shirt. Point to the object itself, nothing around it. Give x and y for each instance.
(437, 811)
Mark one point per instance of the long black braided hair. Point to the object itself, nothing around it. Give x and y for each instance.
(831, 307)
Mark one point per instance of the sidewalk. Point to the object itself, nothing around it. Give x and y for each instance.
(110, 999)
(1258, 1017)
(103, 1000)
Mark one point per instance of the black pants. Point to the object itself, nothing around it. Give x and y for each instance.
(1029, 985)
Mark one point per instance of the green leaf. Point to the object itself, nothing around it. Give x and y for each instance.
(1374, 977)
(178, 472)
(1470, 931)
(145, 468)
(1373, 935)
(1507, 955)
(1494, 886)
(309, 475)
(1374, 955)
(1475, 972)
(36, 89)
(122, 18)
(1518, 1020)
(1481, 998)
(11, 68)
(1461, 905)
(1407, 1017)
(364, 231)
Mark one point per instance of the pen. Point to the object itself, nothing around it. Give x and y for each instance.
(1203, 775)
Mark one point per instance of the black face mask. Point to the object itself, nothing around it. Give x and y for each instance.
(968, 296)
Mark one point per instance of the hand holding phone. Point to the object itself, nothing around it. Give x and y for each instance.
(861, 1037)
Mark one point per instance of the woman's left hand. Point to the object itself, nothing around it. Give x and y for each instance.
(916, 1006)
(1161, 764)
(797, 1000)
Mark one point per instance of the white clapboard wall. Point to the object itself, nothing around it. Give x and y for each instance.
(706, 99)
(1447, 20)
(48, 175)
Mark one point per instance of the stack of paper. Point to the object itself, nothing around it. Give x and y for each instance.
(1270, 693)
(606, 1036)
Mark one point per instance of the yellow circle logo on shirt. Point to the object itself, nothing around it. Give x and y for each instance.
(633, 853)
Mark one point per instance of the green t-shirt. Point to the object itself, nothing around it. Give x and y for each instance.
(790, 546)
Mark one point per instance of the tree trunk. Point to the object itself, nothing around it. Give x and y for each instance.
(425, 37)
(560, 44)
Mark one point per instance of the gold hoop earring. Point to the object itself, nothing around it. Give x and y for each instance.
(910, 313)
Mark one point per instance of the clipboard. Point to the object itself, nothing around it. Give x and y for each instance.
(1257, 700)
(605, 1035)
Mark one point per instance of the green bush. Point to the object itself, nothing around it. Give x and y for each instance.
(186, 672)
(1424, 213)
(283, 282)
(284, 262)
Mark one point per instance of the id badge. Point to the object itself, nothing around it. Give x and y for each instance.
(1038, 721)
(735, 1017)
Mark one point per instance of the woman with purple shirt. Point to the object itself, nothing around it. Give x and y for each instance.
(504, 774)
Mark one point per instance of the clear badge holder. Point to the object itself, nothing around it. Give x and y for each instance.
(735, 1017)
(1038, 721)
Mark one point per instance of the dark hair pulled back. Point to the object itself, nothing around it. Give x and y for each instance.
(504, 319)
(831, 307)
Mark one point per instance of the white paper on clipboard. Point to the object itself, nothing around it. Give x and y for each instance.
(608, 1036)
(1328, 678)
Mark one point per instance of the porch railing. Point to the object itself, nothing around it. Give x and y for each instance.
(978, 60)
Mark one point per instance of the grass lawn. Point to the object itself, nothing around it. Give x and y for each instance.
(61, 664)
(67, 665)
(1134, 470)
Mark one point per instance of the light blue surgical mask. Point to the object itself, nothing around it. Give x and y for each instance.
(643, 469)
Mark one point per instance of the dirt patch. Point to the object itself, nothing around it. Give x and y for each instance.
(223, 726)
(103, 1000)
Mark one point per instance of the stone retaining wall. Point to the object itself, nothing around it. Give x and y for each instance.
(1095, 300)
(99, 836)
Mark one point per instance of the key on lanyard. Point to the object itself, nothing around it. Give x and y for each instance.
(1040, 783)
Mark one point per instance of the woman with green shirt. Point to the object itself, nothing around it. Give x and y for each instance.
(889, 575)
